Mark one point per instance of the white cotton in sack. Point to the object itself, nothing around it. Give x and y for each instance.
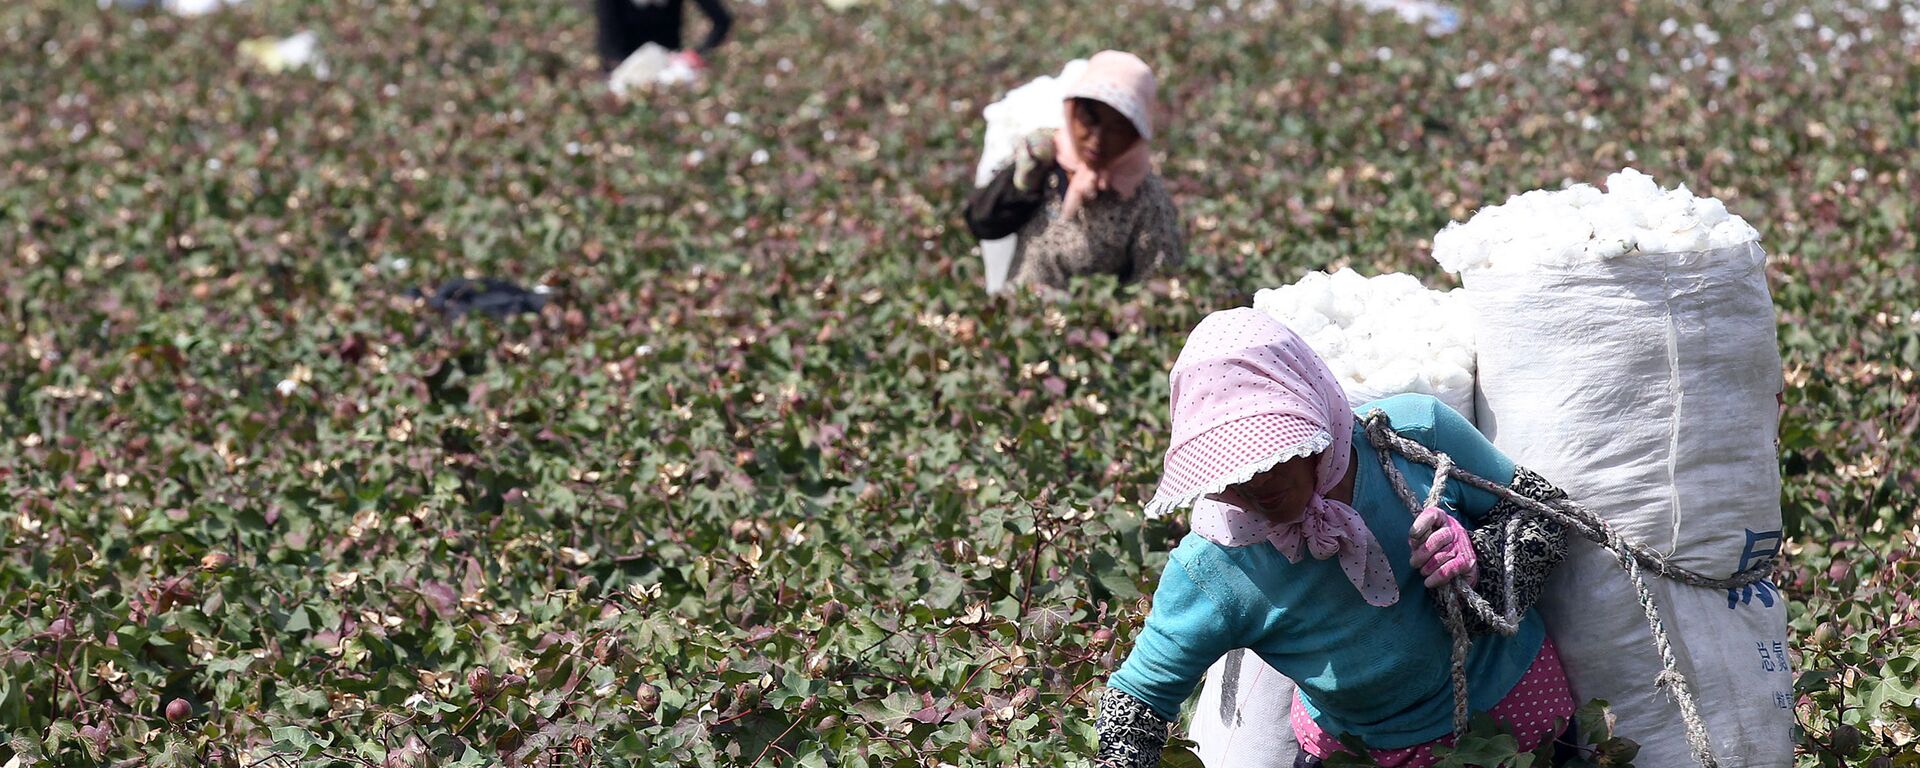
(1382, 336)
(652, 65)
(1582, 224)
(1037, 105)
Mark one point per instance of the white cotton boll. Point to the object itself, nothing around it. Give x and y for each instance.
(1583, 196)
(1674, 241)
(1710, 211)
(1670, 214)
(1348, 284)
(1456, 250)
(1308, 323)
(1320, 299)
(1329, 342)
(1381, 336)
(1458, 358)
(1398, 375)
(1583, 224)
(1732, 232)
(1267, 299)
(1397, 285)
(1453, 378)
(1632, 185)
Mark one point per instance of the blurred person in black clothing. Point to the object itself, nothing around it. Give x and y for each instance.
(626, 25)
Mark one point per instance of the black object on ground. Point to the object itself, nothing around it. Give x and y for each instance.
(489, 296)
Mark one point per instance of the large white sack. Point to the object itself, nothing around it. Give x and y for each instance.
(1382, 336)
(1243, 717)
(1037, 105)
(1644, 384)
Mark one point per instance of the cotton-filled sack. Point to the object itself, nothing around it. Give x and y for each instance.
(1644, 383)
(1037, 105)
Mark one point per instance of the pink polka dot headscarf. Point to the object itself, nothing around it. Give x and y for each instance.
(1248, 394)
(1122, 81)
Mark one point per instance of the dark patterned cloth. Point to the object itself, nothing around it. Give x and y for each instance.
(1542, 545)
(1131, 238)
(1131, 735)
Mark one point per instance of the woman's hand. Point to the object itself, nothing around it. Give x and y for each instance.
(1033, 160)
(1442, 550)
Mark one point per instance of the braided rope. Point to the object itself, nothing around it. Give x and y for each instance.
(1633, 558)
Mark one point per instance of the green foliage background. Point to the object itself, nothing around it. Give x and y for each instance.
(773, 482)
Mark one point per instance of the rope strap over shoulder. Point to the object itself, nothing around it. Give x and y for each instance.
(1456, 598)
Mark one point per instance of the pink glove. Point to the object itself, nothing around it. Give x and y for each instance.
(1441, 548)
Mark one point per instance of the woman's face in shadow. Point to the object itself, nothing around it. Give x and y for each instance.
(1280, 494)
(1100, 133)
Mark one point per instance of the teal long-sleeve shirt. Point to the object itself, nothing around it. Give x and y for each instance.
(1380, 673)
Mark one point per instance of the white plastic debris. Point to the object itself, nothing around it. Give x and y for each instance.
(1582, 224)
(652, 65)
(191, 8)
(1382, 336)
(1438, 18)
(300, 51)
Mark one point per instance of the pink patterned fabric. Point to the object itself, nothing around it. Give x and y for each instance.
(1530, 709)
(1124, 82)
(1248, 394)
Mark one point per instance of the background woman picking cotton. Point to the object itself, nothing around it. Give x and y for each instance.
(1084, 199)
(1302, 552)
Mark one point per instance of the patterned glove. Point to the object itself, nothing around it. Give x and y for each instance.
(1131, 735)
(1032, 159)
(1539, 545)
(1442, 550)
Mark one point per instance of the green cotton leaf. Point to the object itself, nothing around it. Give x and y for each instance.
(1894, 685)
(293, 738)
(237, 665)
(306, 701)
(897, 706)
(1618, 751)
(1354, 756)
(1475, 750)
(1179, 757)
(1813, 680)
(1594, 721)
(1106, 571)
(944, 590)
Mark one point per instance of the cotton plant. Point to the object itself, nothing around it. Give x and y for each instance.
(1583, 224)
